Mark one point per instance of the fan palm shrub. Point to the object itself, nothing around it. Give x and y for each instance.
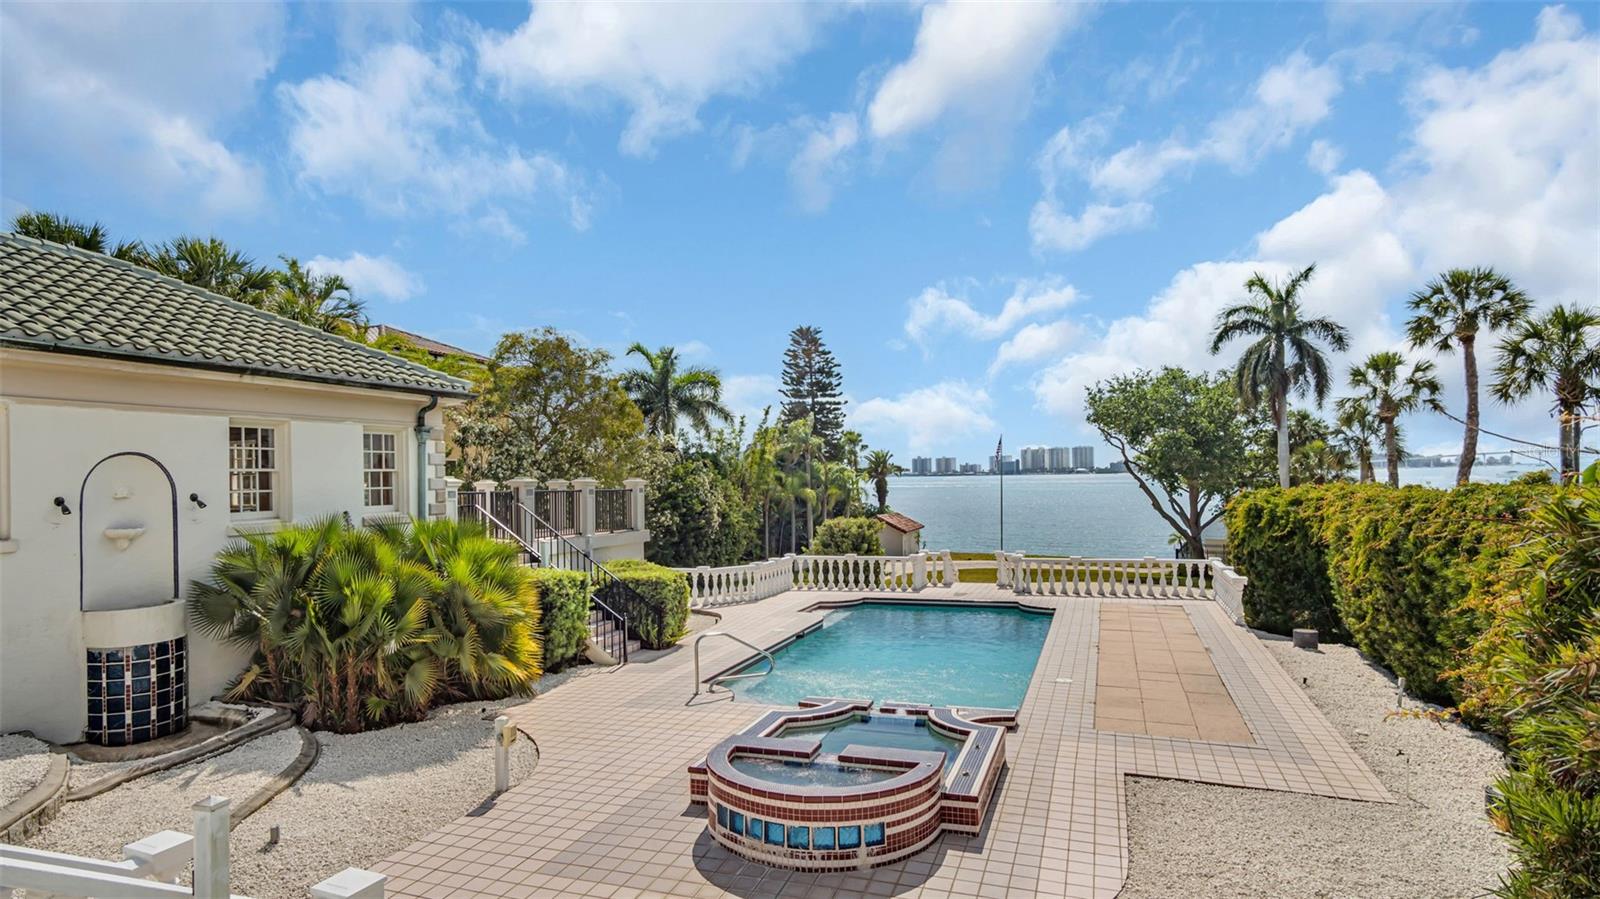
(1557, 352)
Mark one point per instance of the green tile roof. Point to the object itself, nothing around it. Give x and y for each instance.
(68, 300)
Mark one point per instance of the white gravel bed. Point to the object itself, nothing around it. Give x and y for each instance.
(99, 827)
(1198, 840)
(370, 795)
(23, 763)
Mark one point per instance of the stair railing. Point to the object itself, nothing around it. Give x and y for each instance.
(556, 550)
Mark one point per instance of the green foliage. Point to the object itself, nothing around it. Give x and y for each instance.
(660, 614)
(664, 393)
(1181, 434)
(1389, 569)
(366, 626)
(1559, 352)
(696, 513)
(324, 301)
(564, 612)
(843, 536)
(813, 388)
(549, 408)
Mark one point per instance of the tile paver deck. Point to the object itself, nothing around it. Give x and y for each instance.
(606, 812)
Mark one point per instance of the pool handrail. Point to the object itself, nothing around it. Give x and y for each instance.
(711, 684)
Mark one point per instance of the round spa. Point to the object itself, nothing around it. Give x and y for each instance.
(835, 785)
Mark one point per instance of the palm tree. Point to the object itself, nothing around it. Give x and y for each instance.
(1558, 352)
(209, 264)
(1285, 358)
(1391, 390)
(1359, 429)
(73, 233)
(879, 469)
(664, 392)
(322, 301)
(1450, 311)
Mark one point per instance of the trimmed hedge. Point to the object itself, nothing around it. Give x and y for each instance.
(1394, 571)
(662, 617)
(564, 610)
(843, 536)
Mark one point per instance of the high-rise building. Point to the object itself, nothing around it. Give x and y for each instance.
(1060, 459)
(922, 465)
(971, 468)
(944, 465)
(999, 463)
(1083, 457)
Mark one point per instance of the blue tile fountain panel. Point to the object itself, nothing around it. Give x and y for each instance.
(798, 836)
(137, 693)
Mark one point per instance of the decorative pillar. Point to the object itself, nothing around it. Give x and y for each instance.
(558, 506)
(522, 490)
(584, 487)
(635, 503)
(211, 848)
(485, 486)
(452, 498)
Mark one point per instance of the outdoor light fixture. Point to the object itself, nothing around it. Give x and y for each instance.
(195, 498)
(61, 503)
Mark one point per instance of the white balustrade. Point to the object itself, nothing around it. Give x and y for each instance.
(1229, 588)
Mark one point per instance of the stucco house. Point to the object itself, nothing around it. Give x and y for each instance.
(144, 423)
(901, 535)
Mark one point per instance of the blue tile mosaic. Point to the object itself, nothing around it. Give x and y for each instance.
(822, 838)
(136, 693)
(735, 822)
(874, 834)
(775, 833)
(850, 837)
(799, 836)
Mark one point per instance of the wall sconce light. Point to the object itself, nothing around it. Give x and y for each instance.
(61, 503)
(195, 498)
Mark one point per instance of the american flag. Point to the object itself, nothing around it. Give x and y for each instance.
(1000, 446)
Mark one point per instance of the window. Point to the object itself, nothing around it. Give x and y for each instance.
(253, 471)
(380, 469)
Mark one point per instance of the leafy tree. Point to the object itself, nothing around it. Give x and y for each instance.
(665, 393)
(1392, 390)
(697, 514)
(880, 468)
(549, 408)
(798, 448)
(1285, 357)
(843, 536)
(1359, 430)
(1450, 311)
(1182, 438)
(210, 264)
(73, 233)
(813, 388)
(1559, 352)
(322, 301)
(455, 364)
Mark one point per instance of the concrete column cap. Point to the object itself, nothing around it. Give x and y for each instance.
(584, 483)
(522, 482)
(557, 484)
(453, 482)
(633, 483)
(483, 486)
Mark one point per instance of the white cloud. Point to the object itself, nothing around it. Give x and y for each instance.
(926, 416)
(661, 60)
(138, 95)
(747, 395)
(971, 59)
(1034, 343)
(1290, 97)
(819, 165)
(936, 310)
(395, 132)
(370, 276)
(1501, 171)
(693, 349)
(1323, 157)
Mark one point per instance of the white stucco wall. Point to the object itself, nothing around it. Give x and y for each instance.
(63, 417)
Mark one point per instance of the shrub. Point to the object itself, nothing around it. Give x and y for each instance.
(843, 536)
(564, 610)
(355, 627)
(1399, 566)
(660, 613)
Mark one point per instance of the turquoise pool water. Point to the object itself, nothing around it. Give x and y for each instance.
(866, 730)
(939, 655)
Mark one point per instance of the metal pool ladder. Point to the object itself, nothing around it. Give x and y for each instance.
(711, 686)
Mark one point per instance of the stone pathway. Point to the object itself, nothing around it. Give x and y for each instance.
(606, 813)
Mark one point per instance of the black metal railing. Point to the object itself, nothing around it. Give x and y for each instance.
(613, 510)
(559, 508)
(607, 626)
(492, 510)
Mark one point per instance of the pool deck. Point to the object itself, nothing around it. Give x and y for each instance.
(606, 812)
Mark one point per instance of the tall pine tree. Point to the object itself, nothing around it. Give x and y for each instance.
(813, 387)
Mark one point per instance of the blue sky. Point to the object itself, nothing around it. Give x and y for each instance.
(985, 208)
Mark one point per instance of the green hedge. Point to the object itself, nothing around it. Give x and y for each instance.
(1391, 570)
(842, 536)
(564, 611)
(661, 616)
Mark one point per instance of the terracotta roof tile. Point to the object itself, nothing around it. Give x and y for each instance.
(902, 523)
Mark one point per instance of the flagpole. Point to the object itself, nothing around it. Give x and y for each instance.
(1000, 460)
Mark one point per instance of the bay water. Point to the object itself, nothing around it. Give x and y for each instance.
(1093, 515)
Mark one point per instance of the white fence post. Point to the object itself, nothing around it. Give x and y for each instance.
(584, 487)
(635, 503)
(211, 848)
(504, 736)
(161, 856)
(919, 571)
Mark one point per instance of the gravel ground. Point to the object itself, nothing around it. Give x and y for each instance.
(100, 826)
(1197, 840)
(370, 795)
(23, 763)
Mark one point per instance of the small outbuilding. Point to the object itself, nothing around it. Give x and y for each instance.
(900, 535)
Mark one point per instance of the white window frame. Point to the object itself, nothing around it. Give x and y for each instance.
(279, 470)
(397, 473)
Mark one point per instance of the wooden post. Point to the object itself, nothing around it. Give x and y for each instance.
(211, 848)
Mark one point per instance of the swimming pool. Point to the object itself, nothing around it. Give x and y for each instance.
(943, 655)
